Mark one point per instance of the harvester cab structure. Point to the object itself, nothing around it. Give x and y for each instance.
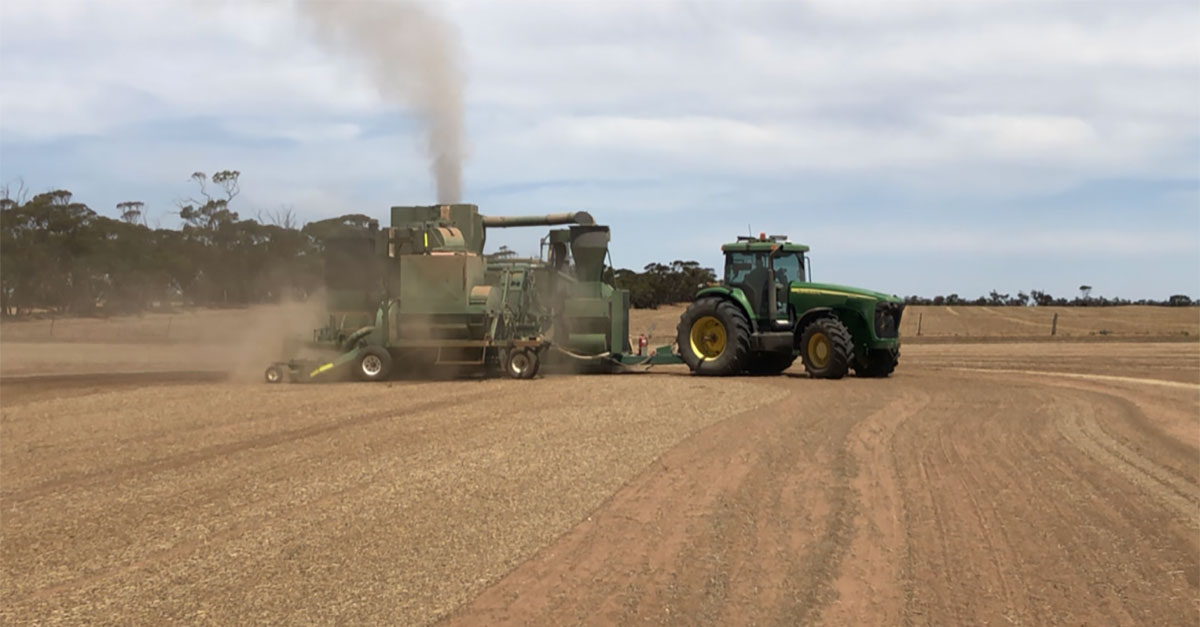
(421, 295)
(767, 311)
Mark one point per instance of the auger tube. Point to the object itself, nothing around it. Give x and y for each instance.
(500, 222)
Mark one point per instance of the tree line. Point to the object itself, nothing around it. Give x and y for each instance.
(1043, 299)
(59, 255)
(661, 284)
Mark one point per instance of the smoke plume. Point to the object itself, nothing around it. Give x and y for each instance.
(412, 56)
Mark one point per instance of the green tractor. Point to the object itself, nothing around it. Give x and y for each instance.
(766, 311)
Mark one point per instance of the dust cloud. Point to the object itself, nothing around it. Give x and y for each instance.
(265, 332)
(413, 58)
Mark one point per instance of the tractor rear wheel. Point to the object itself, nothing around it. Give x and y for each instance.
(826, 348)
(879, 364)
(714, 337)
(373, 364)
(768, 364)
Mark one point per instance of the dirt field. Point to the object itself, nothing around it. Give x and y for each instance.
(942, 324)
(984, 483)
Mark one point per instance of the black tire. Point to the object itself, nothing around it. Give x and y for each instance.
(770, 364)
(879, 364)
(520, 363)
(730, 333)
(826, 348)
(537, 362)
(373, 364)
(274, 374)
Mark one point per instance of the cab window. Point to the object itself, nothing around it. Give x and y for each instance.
(738, 266)
(789, 267)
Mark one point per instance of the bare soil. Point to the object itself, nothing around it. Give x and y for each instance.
(938, 497)
(1021, 483)
(973, 324)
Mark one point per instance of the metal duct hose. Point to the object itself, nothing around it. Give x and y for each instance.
(578, 356)
(588, 343)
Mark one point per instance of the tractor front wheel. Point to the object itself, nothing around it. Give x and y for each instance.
(714, 337)
(826, 348)
(374, 364)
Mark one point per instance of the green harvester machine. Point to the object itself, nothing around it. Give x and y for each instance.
(420, 296)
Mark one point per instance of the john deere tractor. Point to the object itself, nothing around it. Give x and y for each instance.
(767, 311)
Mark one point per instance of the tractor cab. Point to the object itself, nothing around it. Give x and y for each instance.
(763, 268)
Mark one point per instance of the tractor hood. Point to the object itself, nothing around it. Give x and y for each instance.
(833, 289)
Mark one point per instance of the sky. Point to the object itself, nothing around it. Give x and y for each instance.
(918, 147)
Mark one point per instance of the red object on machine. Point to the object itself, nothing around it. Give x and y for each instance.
(642, 341)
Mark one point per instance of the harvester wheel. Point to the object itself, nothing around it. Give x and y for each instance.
(879, 364)
(714, 337)
(521, 363)
(274, 374)
(537, 361)
(374, 364)
(771, 363)
(826, 348)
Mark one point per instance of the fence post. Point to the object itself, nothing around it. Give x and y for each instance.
(920, 319)
(1054, 325)
(52, 319)
(169, 326)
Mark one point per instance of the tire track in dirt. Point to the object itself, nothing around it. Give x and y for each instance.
(80, 480)
(1030, 323)
(1173, 491)
(1092, 377)
(939, 505)
(398, 521)
(182, 550)
(871, 588)
(749, 521)
(691, 491)
(197, 497)
(997, 536)
(1008, 521)
(19, 389)
(937, 496)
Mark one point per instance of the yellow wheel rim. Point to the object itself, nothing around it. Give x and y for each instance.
(708, 338)
(818, 350)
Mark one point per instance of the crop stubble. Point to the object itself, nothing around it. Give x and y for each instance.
(967, 489)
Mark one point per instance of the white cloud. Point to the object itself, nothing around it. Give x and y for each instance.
(1039, 137)
(303, 132)
(990, 97)
(1041, 242)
